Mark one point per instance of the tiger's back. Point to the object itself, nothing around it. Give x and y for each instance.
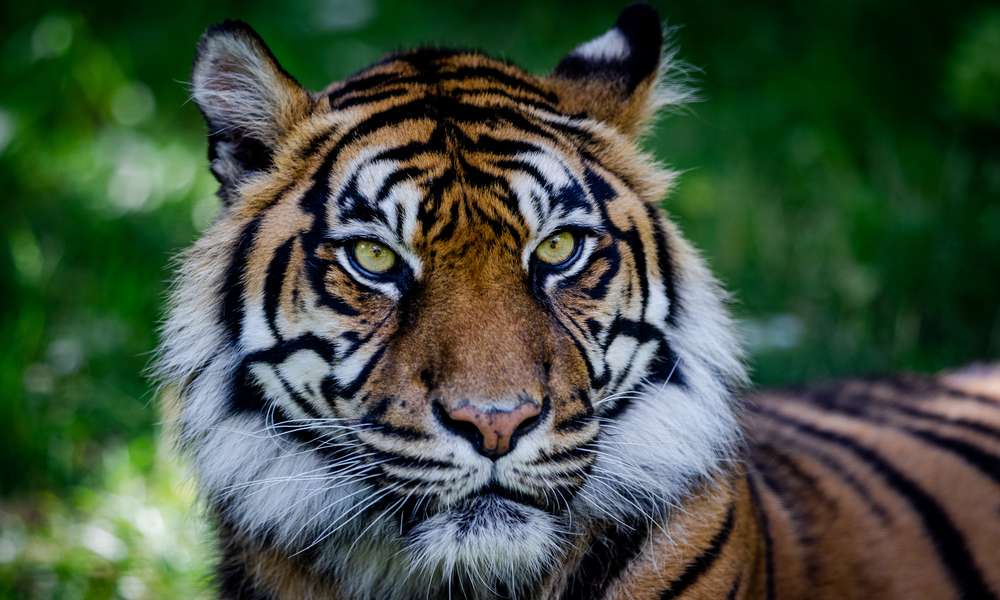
(880, 488)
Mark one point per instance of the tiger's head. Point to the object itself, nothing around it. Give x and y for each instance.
(440, 323)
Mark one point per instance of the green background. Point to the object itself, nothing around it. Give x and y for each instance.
(842, 175)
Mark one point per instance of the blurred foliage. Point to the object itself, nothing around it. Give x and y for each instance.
(133, 536)
(842, 176)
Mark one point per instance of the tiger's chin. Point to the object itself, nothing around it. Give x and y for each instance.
(487, 538)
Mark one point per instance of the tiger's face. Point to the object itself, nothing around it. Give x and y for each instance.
(440, 316)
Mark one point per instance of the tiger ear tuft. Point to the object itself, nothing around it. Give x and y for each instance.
(621, 76)
(248, 100)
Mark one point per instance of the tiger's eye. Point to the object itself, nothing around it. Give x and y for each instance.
(374, 257)
(556, 248)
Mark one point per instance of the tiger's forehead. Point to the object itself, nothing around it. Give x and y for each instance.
(456, 73)
(436, 146)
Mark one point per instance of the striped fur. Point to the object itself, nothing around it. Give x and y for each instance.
(314, 396)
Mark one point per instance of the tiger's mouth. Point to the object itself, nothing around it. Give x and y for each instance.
(489, 506)
(488, 510)
(497, 493)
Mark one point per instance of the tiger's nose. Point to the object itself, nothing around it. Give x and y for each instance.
(491, 430)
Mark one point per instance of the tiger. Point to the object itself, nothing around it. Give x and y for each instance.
(443, 341)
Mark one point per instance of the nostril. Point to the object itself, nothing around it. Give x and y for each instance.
(427, 378)
(526, 426)
(463, 429)
(532, 415)
(491, 430)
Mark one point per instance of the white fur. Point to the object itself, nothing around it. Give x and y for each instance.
(304, 372)
(612, 45)
(671, 437)
(238, 86)
(495, 549)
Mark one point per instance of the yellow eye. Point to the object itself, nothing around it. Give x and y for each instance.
(374, 257)
(556, 248)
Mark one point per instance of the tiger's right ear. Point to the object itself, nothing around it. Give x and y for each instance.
(248, 100)
(622, 77)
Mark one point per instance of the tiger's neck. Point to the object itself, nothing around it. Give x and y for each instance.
(711, 547)
(714, 546)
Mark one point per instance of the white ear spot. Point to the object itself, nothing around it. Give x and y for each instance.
(611, 46)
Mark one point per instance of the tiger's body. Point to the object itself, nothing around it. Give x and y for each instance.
(441, 342)
(860, 489)
(879, 488)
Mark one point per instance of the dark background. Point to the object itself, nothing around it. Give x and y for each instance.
(842, 175)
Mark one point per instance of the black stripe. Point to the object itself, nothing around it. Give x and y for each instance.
(317, 271)
(921, 415)
(495, 92)
(374, 417)
(404, 433)
(361, 84)
(862, 406)
(703, 562)
(948, 541)
(407, 151)
(793, 499)
(503, 146)
(432, 75)
(735, 589)
(573, 454)
(402, 460)
(247, 395)
(232, 301)
(315, 143)
(985, 462)
(802, 481)
(633, 239)
(765, 530)
(232, 577)
(604, 561)
(296, 397)
(274, 282)
(349, 390)
(929, 388)
(370, 98)
(666, 367)
(846, 476)
(665, 362)
(279, 352)
(581, 347)
(394, 179)
(612, 259)
(575, 422)
(971, 396)
(665, 262)
(507, 79)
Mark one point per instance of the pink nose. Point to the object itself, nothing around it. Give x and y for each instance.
(491, 430)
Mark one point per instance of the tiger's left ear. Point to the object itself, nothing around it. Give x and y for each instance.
(617, 77)
(249, 102)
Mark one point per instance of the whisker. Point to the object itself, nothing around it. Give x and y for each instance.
(360, 511)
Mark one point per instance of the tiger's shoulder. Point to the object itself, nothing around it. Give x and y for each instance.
(889, 486)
